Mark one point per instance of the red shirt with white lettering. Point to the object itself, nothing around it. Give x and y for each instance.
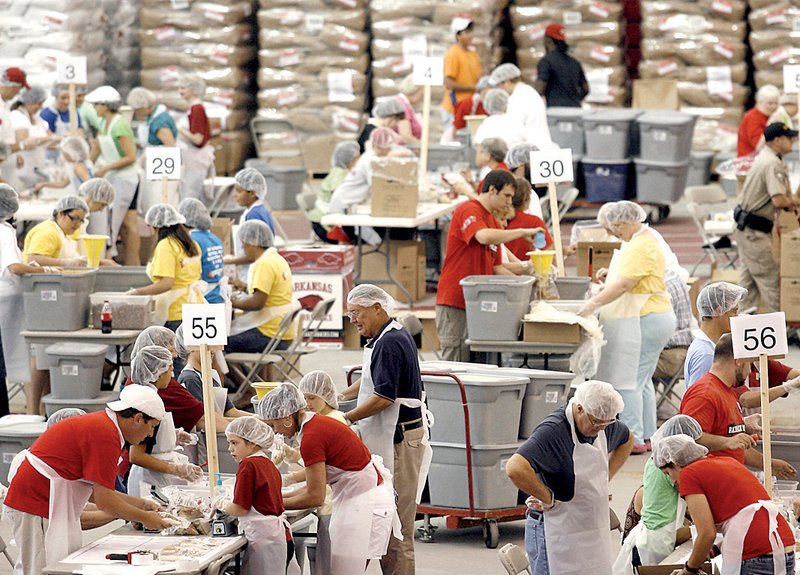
(466, 256)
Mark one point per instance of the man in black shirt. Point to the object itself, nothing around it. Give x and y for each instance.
(560, 77)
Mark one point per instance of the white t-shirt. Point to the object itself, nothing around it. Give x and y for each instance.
(502, 126)
(21, 121)
(6, 124)
(9, 254)
(527, 107)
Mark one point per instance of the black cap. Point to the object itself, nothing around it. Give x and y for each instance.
(778, 129)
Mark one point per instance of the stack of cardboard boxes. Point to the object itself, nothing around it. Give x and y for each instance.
(789, 230)
(407, 265)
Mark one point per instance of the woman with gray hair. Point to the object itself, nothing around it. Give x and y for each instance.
(194, 132)
(345, 156)
(499, 124)
(32, 135)
(751, 128)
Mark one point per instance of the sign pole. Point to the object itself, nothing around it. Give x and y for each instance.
(555, 221)
(73, 111)
(426, 122)
(164, 190)
(210, 420)
(763, 369)
(427, 72)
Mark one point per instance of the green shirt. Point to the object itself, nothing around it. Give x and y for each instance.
(89, 117)
(120, 128)
(660, 503)
(332, 181)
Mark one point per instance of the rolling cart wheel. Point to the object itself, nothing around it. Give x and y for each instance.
(426, 533)
(491, 533)
(664, 211)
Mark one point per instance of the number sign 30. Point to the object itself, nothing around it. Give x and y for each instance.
(755, 335)
(204, 324)
(163, 162)
(551, 166)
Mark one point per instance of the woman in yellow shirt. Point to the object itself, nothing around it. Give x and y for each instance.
(175, 265)
(55, 242)
(636, 314)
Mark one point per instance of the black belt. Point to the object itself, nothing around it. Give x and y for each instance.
(409, 425)
(535, 515)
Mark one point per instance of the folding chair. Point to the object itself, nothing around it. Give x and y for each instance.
(301, 345)
(275, 138)
(713, 216)
(565, 200)
(414, 327)
(514, 559)
(668, 381)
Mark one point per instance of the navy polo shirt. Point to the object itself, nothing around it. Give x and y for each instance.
(395, 369)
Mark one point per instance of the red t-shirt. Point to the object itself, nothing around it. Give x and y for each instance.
(715, 406)
(85, 447)
(330, 441)
(467, 107)
(751, 129)
(778, 375)
(198, 123)
(185, 408)
(727, 497)
(258, 485)
(465, 256)
(521, 246)
(500, 166)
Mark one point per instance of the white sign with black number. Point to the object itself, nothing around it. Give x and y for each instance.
(428, 71)
(163, 162)
(791, 78)
(71, 70)
(551, 166)
(755, 335)
(204, 324)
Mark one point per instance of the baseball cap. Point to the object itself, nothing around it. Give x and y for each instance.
(555, 31)
(103, 95)
(460, 24)
(13, 76)
(778, 129)
(140, 397)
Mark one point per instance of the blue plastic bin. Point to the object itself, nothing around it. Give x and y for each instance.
(605, 180)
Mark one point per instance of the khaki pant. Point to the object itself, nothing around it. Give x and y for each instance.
(28, 531)
(451, 327)
(758, 272)
(670, 361)
(399, 559)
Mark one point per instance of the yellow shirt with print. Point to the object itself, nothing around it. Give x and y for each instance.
(643, 261)
(271, 275)
(170, 260)
(44, 239)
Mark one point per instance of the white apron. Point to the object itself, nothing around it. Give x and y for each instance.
(140, 479)
(734, 531)
(12, 315)
(585, 518)
(195, 163)
(163, 301)
(253, 319)
(653, 546)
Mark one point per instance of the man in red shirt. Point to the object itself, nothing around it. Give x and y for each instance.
(473, 249)
(75, 461)
(472, 105)
(751, 129)
(739, 504)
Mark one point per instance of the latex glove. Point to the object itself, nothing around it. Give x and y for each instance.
(150, 505)
(75, 262)
(154, 521)
(752, 423)
(539, 505)
(183, 438)
(792, 386)
(220, 502)
(783, 470)
(588, 308)
(288, 480)
(132, 291)
(796, 507)
(187, 471)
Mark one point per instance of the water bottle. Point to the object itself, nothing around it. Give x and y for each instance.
(539, 240)
(105, 318)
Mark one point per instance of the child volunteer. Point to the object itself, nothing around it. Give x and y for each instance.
(75, 153)
(199, 221)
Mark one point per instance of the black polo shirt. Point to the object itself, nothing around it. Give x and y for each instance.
(395, 369)
(563, 78)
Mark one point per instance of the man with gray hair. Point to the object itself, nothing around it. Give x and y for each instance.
(388, 412)
(565, 466)
(751, 128)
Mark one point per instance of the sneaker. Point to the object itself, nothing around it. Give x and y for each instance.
(648, 445)
(638, 449)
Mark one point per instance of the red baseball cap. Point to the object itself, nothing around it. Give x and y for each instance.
(14, 76)
(555, 31)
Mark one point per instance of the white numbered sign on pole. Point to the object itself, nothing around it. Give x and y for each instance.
(71, 70)
(163, 162)
(791, 78)
(204, 324)
(428, 71)
(551, 166)
(755, 335)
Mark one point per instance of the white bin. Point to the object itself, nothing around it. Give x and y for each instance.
(17, 432)
(608, 133)
(660, 182)
(496, 305)
(76, 369)
(53, 404)
(666, 136)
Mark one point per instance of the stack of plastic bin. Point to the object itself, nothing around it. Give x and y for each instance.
(496, 306)
(57, 302)
(17, 432)
(611, 140)
(76, 373)
(666, 143)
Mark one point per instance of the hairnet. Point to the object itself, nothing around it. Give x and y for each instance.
(622, 212)
(9, 201)
(504, 72)
(719, 298)
(483, 83)
(180, 345)
(251, 180)
(139, 98)
(150, 363)
(678, 425)
(5, 150)
(383, 138)
(63, 414)
(195, 213)
(33, 95)
(366, 295)
(519, 155)
(407, 86)
(162, 216)
(98, 190)
(60, 89)
(154, 335)
(104, 95)
(195, 84)
(320, 384)
(252, 429)
(496, 101)
(343, 154)
(599, 399)
(281, 402)
(76, 148)
(679, 449)
(495, 147)
(387, 106)
(256, 233)
(68, 203)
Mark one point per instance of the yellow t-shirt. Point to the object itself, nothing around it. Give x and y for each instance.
(170, 260)
(271, 275)
(44, 239)
(643, 261)
(464, 66)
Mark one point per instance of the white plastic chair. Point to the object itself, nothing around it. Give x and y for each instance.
(713, 216)
(514, 559)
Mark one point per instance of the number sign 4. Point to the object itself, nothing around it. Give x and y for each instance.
(755, 335)
(204, 324)
(163, 162)
(551, 166)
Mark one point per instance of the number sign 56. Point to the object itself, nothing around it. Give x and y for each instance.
(755, 335)
(163, 162)
(204, 324)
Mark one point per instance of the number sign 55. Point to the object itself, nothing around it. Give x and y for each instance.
(204, 324)
(755, 335)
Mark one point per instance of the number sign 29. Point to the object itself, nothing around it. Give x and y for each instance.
(755, 335)
(551, 166)
(204, 323)
(163, 162)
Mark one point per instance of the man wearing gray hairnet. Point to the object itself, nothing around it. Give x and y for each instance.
(565, 466)
(388, 411)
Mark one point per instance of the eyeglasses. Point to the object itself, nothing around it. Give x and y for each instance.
(76, 219)
(352, 315)
(599, 423)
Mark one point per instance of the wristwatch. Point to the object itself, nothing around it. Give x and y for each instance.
(690, 569)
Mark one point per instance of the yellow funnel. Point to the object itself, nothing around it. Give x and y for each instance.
(95, 247)
(542, 261)
(264, 387)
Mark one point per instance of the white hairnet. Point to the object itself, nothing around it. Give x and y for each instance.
(256, 233)
(154, 335)
(504, 72)
(9, 201)
(622, 212)
(365, 295)
(98, 190)
(719, 298)
(251, 180)
(63, 414)
(678, 425)
(678, 449)
(320, 384)
(150, 363)
(76, 148)
(5, 150)
(195, 213)
(139, 98)
(33, 95)
(195, 84)
(68, 203)
(383, 138)
(343, 154)
(520, 155)
(483, 83)
(599, 399)
(162, 216)
(281, 402)
(496, 101)
(252, 429)
(180, 346)
(104, 95)
(387, 106)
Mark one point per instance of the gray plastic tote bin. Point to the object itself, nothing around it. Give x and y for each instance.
(17, 432)
(442, 155)
(700, 168)
(283, 183)
(495, 405)
(491, 488)
(666, 136)
(546, 391)
(566, 129)
(76, 369)
(785, 445)
(120, 279)
(608, 133)
(573, 288)
(53, 404)
(660, 182)
(57, 302)
(496, 305)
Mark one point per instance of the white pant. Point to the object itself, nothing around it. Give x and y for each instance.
(124, 189)
(28, 532)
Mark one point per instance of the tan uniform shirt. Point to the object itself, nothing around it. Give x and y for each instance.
(768, 177)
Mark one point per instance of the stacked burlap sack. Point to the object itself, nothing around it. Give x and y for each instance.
(594, 33)
(122, 41)
(774, 38)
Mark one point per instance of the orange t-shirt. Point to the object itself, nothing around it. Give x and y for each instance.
(464, 66)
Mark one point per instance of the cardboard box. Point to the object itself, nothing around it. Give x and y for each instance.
(668, 569)
(600, 254)
(546, 332)
(656, 94)
(787, 221)
(223, 229)
(310, 289)
(790, 298)
(422, 267)
(405, 265)
(790, 247)
(395, 187)
(322, 259)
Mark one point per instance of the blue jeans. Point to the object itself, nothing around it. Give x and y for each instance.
(763, 565)
(535, 546)
(639, 414)
(251, 341)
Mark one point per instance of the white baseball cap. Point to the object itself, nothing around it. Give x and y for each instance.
(103, 95)
(140, 397)
(459, 24)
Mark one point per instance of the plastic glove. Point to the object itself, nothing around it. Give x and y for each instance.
(184, 438)
(752, 423)
(220, 502)
(75, 262)
(187, 471)
(792, 386)
(288, 480)
(588, 308)
(539, 505)
(739, 441)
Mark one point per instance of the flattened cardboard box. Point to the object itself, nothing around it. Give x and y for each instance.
(790, 250)
(790, 298)
(395, 187)
(547, 332)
